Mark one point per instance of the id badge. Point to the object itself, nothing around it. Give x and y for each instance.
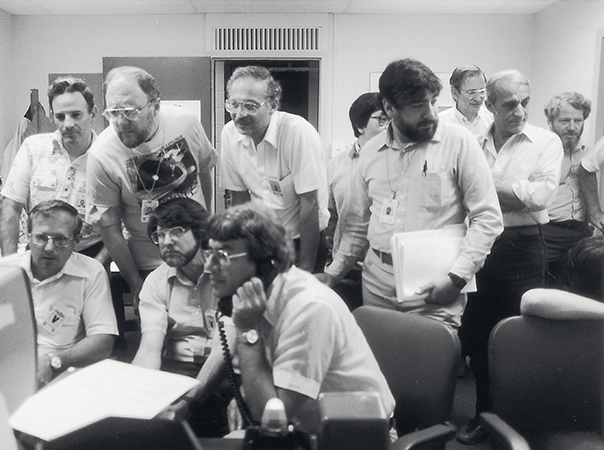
(388, 211)
(55, 319)
(275, 188)
(147, 207)
(210, 321)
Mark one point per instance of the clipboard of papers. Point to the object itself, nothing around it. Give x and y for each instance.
(102, 390)
(421, 256)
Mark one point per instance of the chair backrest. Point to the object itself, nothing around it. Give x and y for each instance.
(418, 356)
(547, 375)
(17, 337)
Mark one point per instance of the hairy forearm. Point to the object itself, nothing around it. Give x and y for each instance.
(309, 231)
(560, 305)
(89, 350)
(507, 198)
(120, 253)
(207, 188)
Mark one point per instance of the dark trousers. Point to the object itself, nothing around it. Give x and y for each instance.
(351, 289)
(322, 252)
(516, 264)
(560, 237)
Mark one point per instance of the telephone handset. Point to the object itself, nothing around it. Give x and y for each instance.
(266, 271)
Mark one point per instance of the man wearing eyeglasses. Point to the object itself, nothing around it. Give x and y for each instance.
(368, 120)
(76, 324)
(149, 154)
(178, 309)
(53, 166)
(468, 91)
(275, 157)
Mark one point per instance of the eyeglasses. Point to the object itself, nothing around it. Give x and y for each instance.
(132, 114)
(476, 92)
(248, 107)
(221, 258)
(175, 234)
(382, 120)
(58, 241)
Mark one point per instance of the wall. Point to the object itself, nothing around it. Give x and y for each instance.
(7, 74)
(353, 47)
(566, 53)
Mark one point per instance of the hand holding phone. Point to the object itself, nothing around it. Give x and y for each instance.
(249, 304)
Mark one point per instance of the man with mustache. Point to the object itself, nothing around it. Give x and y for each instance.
(148, 154)
(468, 90)
(275, 157)
(525, 163)
(566, 114)
(53, 166)
(418, 174)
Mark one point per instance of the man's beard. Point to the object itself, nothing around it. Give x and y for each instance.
(418, 134)
(570, 142)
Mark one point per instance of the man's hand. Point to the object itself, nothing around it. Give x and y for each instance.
(326, 278)
(249, 304)
(440, 292)
(43, 372)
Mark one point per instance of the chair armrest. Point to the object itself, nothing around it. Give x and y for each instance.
(425, 439)
(501, 432)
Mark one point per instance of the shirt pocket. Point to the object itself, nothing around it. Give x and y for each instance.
(43, 188)
(283, 192)
(436, 190)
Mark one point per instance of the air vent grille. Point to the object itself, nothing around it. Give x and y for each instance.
(271, 39)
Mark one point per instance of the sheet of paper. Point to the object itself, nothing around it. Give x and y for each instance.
(106, 389)
(421, 256)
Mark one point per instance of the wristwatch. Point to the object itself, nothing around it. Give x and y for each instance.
(55, 361)
(457, 280)
(250, 336)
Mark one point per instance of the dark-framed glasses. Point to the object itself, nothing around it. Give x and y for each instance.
(249, 107)
(220, 257)
(132, 114)
(58, 241)
(382, 119)
(175, 234)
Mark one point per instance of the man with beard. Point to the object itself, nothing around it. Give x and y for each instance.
(419, 174)
(277, 158)
(566, 114)
(178, 309)
(525, 163)
(468, 91)
(149, 154)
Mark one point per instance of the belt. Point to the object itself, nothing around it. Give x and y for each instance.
(511, 233)
(569, 224)
(386, 258)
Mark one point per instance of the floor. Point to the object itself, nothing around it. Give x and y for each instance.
(463, 406)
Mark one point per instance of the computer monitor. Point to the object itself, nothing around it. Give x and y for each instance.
(17, 337)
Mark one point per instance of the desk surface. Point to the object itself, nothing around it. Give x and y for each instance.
(220, 444)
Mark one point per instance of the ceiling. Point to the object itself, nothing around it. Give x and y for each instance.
(107, 7)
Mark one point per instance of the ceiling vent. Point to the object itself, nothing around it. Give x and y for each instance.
(272, 39)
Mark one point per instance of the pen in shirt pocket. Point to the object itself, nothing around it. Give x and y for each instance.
(425, 170)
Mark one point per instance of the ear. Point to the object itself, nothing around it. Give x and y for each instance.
(388, 108)
(94, 112)
(489, 106)
(157, 105)
(454, 94)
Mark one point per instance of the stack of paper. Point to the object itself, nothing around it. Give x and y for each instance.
(420, 257)
(106, 389)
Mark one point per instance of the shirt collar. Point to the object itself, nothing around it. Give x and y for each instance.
(174, 273)
(271, 135)
(529, 132)
(57, 142)
(355, 150)
(71, 268)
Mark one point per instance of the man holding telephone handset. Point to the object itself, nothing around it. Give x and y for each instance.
(295, 338)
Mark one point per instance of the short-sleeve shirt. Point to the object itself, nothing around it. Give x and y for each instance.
(73, 304)
(286, 164)
(42, 170)
(166, 166)
(185, 312)
(313, 343)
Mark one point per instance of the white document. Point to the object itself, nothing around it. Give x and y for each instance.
(422, 256)
(106, 389)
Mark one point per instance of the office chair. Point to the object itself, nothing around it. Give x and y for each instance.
(546, 381)
(418, 357)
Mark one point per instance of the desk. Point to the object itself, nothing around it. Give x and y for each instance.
(220, 444)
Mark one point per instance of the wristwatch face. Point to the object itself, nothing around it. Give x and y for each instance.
(55, 362)
(251, 336)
